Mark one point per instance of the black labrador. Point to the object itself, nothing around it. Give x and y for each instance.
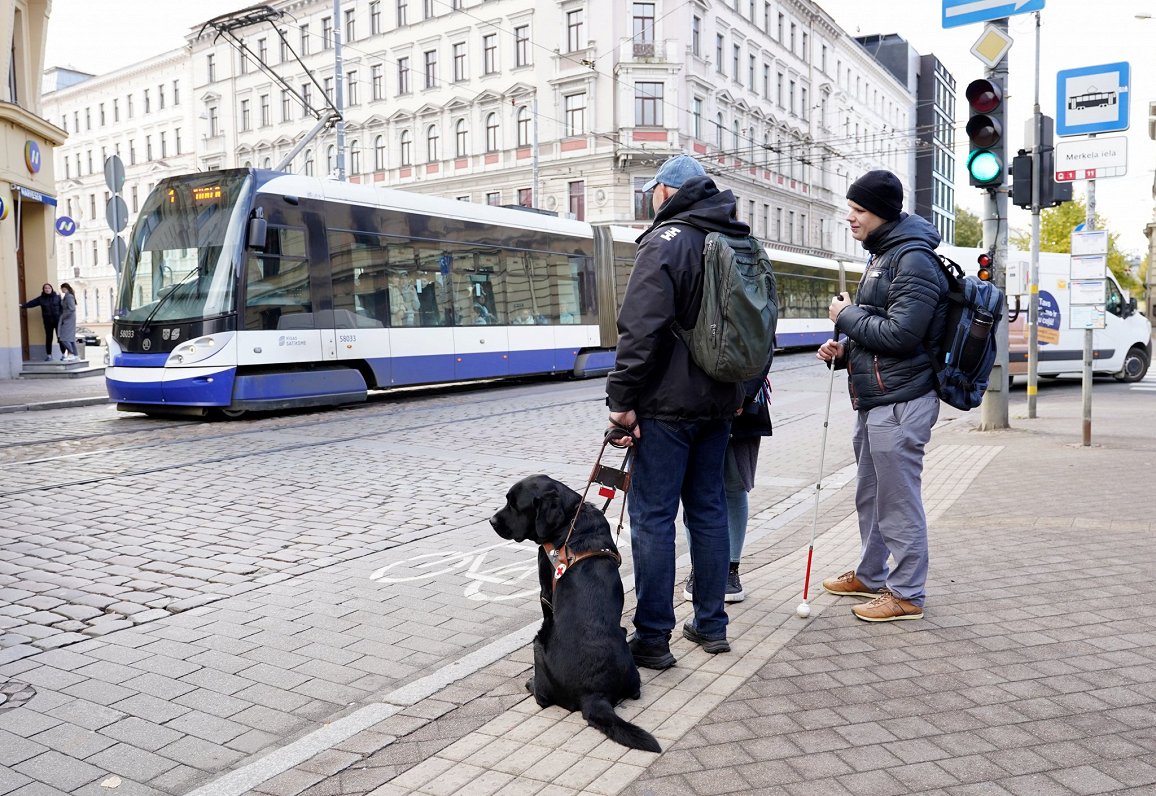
(581, 660)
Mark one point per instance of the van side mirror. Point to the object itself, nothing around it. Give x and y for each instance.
(258, 230)
(1131, 307)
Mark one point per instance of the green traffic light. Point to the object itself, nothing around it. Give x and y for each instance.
(984, 166)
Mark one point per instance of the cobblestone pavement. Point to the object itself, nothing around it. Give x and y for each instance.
(332, 655)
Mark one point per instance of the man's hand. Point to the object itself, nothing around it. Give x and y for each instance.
(629, 421)
(830, 350)
(838, 304)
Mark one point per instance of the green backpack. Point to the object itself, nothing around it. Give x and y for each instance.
(734, 336)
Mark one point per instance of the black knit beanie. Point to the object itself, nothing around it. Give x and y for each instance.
(880, 192)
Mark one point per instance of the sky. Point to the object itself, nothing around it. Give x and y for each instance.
(92, 36)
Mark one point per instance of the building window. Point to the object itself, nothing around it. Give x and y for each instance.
(214, 126)
(489, 53)
(492, 133)
(406, 148)
(177, 140)
(718, 53)
(379, 152)
(461, 139)
(648, 104)
(245, 120)
(164, 147)
(176, 92)
(211, 67)
(432, 138)
(718, 130)
(147, 103)
(350, 25)
(574, 40)
(330, 160)
(735, 55)
(643, 202)
(304, 40)
(355, 158)
(351, 84)
(696, 118)
(327, 85)
(523, 131)
(431, 68)
(427, 9)
(578, 200)
(308, 162)
(375, 17)
(459, 50)
(148, 152)
(327, 34)
(402, 12)
(266, 116)
(306, 98)
(116, 107)
(696, 36)
(575, 114)
(101, 113)
(286, 105)
(522, 45)
(643, 23)
(751, 73)
(494, 199)
(525, 197)
(376, 82)
(283, 46)
(403, 75)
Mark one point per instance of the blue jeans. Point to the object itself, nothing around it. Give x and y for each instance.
(679, 460)
(738, 507)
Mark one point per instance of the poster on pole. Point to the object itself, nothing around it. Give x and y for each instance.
(1086, 316)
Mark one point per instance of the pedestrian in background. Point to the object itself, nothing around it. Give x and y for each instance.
(751, 424)
(679, 416)
(50, 307)
(901, 302)
(66, 329)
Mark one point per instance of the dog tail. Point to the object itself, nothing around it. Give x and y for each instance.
(600, 715)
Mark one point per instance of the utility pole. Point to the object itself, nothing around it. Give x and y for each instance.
(338, 92)
(994, 409)
(1034, 273)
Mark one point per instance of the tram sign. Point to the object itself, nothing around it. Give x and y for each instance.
(1092, 99)
(1091, 158)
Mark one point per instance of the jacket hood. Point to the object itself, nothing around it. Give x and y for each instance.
(904, 229)
(701, 203)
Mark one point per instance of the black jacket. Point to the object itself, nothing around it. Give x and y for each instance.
(898, 306)
(50, 308)
(653, 372)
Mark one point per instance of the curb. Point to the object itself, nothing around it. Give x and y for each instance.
(67, 403)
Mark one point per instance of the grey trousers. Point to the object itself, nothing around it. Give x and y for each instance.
(889, 442)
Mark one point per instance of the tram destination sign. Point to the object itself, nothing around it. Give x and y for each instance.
(1091, 158)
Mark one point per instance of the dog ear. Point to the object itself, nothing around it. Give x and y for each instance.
(554, 509)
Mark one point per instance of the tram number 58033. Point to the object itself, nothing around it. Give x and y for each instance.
(347, 338)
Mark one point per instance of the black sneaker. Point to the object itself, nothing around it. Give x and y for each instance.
(734, 592)
(651, 656)
(712, 645)
(688, 589)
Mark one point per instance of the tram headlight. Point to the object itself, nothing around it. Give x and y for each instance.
(199, 349)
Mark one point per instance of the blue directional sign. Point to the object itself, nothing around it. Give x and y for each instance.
(966, 12)
(1092, 99)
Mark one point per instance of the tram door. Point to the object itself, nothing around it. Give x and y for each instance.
(481, 339)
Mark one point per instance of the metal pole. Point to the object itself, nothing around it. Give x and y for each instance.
(994, 409)
(1034, 273)
(338, 89)
(534, 160)
(1086, 383)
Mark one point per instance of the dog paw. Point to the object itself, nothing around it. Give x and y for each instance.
(530, 685)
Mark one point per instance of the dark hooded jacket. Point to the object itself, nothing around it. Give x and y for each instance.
(653, 372)
(50, 308)
(898, 307)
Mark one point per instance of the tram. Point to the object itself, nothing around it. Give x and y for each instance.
(252, 290)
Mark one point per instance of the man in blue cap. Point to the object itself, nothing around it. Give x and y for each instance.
(678, 415)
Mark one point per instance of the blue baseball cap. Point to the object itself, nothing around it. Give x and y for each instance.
(675, 171)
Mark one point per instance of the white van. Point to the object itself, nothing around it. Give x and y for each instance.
(1123, 348)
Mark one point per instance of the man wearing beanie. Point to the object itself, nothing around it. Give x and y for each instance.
(900, 303)
(679, 416)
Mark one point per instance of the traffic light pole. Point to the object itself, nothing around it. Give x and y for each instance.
(1034, 273)
(994, 409)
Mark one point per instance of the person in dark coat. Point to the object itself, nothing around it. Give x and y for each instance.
(900, 304)
(679, 416)
(66, 329)
(50, 309)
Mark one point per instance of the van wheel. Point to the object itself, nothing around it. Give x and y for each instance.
(1135, 365)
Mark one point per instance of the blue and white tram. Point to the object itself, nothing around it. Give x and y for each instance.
(254, 290)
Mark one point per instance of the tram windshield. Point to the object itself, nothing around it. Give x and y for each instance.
(180, 259)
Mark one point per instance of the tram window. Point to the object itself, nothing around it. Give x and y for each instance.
(804, 291)
(479, 290)
(431, 269)
(277, 282)
(360, 279)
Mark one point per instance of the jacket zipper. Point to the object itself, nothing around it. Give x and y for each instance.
(851, 384)
(878, 375)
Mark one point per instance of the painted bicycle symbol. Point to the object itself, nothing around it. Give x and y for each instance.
(470, 563)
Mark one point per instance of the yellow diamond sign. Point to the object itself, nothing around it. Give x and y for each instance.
(992, 46)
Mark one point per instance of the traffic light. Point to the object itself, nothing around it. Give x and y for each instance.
(1052, 193)
(985, 261)
(985, 166)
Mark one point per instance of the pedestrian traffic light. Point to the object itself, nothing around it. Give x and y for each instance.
(1052, 193)
(985, 159)
(985, 261)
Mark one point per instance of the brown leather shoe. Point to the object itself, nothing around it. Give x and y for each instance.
(847, 585)
(887, 608)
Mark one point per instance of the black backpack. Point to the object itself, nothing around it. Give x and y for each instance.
(963, 357)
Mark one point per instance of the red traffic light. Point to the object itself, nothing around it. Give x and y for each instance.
(983, 95)
(985, 262)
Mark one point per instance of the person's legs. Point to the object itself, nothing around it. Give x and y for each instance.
(660, 462)
(872, 568)
(49, 331)
(704, 500)
(738, 507)
(898, 436)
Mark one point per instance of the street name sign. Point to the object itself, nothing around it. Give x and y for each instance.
(967, 12)
(1091, 158)
(1092, 99)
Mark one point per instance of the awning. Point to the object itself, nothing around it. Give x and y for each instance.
(33, 196)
